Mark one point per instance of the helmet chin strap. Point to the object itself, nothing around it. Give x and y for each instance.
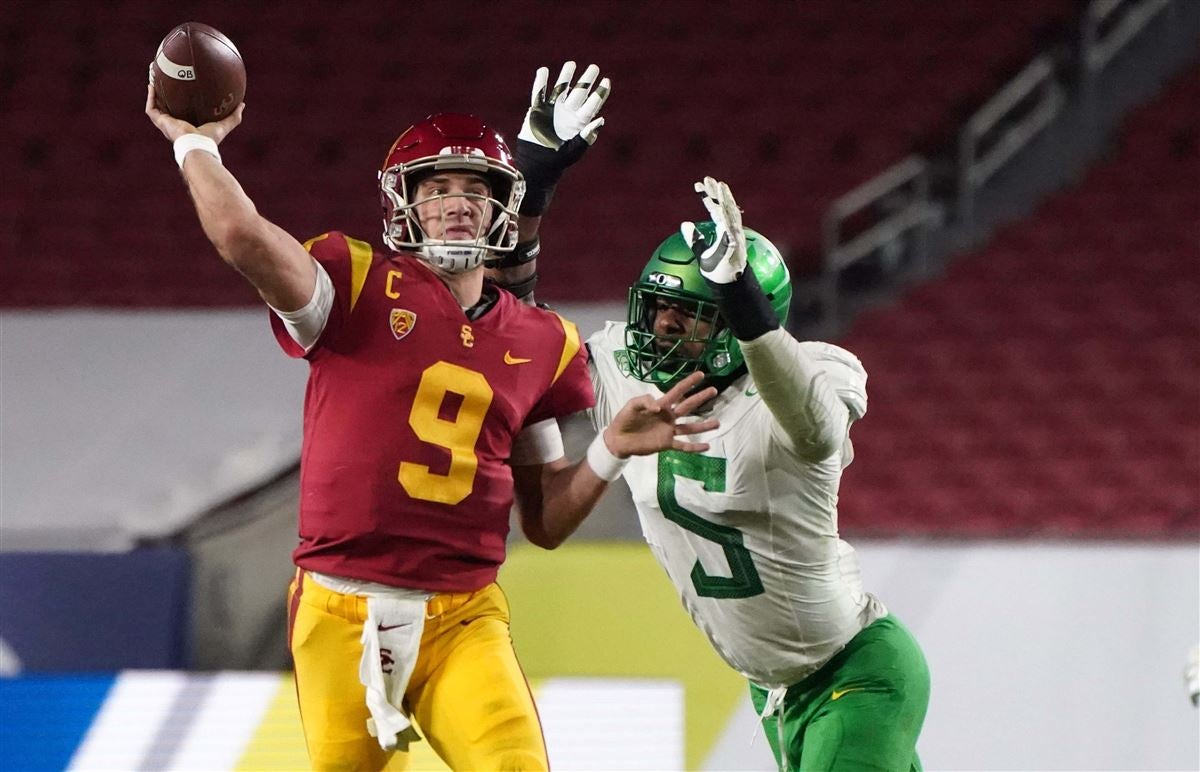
(452, 259)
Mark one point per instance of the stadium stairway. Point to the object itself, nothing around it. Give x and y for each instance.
(1049, 384)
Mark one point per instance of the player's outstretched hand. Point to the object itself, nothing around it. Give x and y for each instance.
(647, 425)
(174, 128)
(723, 259)
(560, 125)
(566, 112)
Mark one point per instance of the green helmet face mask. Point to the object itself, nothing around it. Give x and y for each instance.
(672, 277)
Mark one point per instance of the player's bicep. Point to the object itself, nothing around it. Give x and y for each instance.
(529, 490)
(281, 269)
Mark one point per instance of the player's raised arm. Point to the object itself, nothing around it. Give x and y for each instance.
(270, 258)
(560, 125)
(793, 383)
(555, 498)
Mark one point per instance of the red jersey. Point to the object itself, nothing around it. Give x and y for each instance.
(409, 417)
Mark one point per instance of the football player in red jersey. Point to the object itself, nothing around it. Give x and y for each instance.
(432, 403)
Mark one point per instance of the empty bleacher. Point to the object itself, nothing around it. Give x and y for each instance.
(1049, 384)
(792, 103)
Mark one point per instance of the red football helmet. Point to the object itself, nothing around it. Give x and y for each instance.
(449, 142)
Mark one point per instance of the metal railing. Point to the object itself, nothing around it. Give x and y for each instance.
(899, 199)
(1017, 113)
(897, 204)
(1109, 25)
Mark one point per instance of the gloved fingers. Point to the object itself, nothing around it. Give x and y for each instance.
(591, 107)
(708, 189)
(583, 87)
(729, 207)
(591, 131)
(691, 235)
(564, 79)
(710, 195)
(540, 80)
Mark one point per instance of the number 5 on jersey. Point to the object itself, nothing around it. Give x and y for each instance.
(743, 581)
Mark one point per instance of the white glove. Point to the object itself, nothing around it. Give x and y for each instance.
(723, 260)
(553, 119)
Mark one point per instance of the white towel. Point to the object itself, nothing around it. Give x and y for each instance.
(773, 705)
(391, 640)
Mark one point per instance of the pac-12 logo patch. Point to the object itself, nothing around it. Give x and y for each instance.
(622, 357)
(402, 322)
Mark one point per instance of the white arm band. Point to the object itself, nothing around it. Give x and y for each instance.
(799, 393)
(192, 141)
(538, 443)
(602, 461)
(306, 324)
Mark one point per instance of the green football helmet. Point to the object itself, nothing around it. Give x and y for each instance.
(673, 276)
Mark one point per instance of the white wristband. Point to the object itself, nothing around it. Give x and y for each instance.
(606, 466)
(192, 141)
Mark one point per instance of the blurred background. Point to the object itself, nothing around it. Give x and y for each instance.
(994, 203)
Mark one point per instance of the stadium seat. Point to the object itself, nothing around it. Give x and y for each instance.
(1049, 384)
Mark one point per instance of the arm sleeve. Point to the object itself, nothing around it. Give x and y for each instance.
(306, 324)
(300, 333)
(539, 443)
(605, 368)
(800, 393)
(599, 414)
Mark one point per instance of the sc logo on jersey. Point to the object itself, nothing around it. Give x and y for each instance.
(667, 280)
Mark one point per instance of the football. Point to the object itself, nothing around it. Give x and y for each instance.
(198, 74)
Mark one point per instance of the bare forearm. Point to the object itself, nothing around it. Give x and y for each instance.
(556, 497)
(274, 262)
(568, 495)
(221, 204)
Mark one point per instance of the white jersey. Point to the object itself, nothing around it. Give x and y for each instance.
(747, 531)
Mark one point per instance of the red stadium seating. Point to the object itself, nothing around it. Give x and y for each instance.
(1049, 385)
(792, 103)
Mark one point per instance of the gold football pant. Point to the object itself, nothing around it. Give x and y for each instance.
(467, 693)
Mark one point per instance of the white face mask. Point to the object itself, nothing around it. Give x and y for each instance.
(402, 229)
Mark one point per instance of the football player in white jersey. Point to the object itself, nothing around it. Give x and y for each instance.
(748, 530)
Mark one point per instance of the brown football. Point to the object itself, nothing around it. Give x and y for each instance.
(198, 74)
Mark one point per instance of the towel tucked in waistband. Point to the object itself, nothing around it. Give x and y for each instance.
(391, 639)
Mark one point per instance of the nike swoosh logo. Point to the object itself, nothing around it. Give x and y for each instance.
(385, 628)
(509, 359)
(836, 695)
(750, 392)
